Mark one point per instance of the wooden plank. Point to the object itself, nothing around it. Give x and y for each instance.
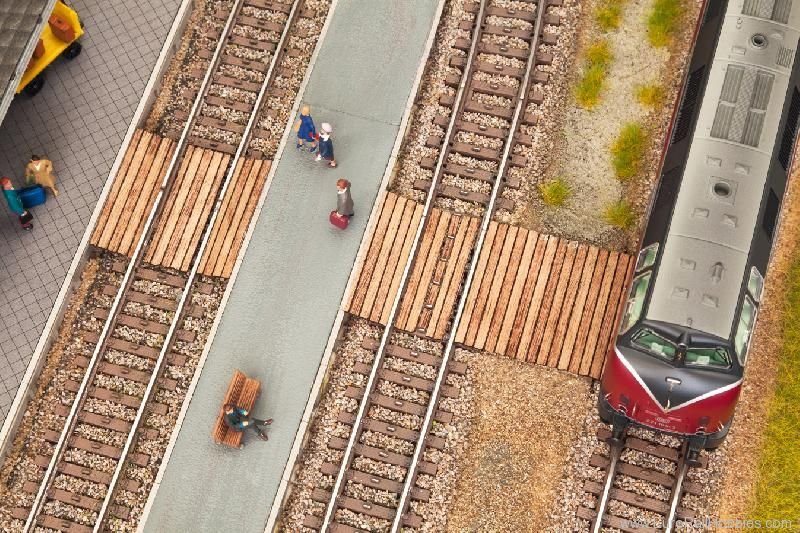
(357, 301)
(567, 348)
(133, 195)
(537, 293)
(101, 234)
(486, 283)
(426, 248)
(379, 272)
(232, 248)
(147, 181)
(154, 189)
(448, 224)
(496, 286)
(568, 309)
(189, 194)
(593, 329)
(450, 272)
(588, 310)
(231, 205)
(207, 196)
(553, 298)
(514, 299)
(477, 280)
(433, 269)
(531, 276)
(394, 261)
(495, 322)
(162, 229)
(127, 181)
(441, 318)
(608, 329)
(402, 259)
(565, 295)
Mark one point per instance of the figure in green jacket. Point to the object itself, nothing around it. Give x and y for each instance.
(15, 204)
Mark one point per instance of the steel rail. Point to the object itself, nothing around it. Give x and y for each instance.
(379, 355)
(519, 109)
(162, 356)
(614, 454)
(127, 279)
(677, 491)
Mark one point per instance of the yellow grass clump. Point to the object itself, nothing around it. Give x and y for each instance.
(555, 192)
(620, 215)
(609, 14)
(597, 59)
(664, 21)
(628, 151)
(651, 96)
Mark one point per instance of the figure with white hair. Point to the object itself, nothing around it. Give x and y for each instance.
(326, 144)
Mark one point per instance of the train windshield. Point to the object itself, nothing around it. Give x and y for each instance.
(663, 348)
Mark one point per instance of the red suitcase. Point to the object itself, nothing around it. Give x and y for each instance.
(338, 220)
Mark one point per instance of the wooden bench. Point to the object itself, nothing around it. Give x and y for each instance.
(242, 392)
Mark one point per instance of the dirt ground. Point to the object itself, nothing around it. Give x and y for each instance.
(526, 420)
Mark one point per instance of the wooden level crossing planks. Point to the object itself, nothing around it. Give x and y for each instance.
(234, 217)
(133, 192)
(390, 246)
(180, 226)
(544, 300)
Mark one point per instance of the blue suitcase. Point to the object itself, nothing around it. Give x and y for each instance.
(32, 196)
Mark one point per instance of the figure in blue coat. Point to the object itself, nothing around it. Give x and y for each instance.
(15, 204)
(239, 419)
(306, 132)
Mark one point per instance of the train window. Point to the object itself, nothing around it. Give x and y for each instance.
(633, 309)
(746, 320)
(755, 284)
(647, 257)
(717, 357)
(655, 344)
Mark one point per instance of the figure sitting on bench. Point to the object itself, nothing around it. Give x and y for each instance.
(239, 419)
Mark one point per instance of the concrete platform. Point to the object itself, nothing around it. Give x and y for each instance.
(79, 121)
(287, 293)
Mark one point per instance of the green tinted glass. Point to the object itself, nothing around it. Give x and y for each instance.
(716, 357)
(655, 344)
(647, 257)
(755, 284)
(633, 309)
(746, 321)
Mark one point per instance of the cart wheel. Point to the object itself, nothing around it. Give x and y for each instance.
(73, 50)
(34, 86)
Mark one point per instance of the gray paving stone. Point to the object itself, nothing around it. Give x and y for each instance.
(78, 121)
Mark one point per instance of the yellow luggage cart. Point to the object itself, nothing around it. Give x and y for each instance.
(59, 37)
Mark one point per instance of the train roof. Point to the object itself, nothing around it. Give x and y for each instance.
(702, 266)
(21, 23)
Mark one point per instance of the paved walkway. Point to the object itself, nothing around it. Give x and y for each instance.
(287, 293)
(78, 120)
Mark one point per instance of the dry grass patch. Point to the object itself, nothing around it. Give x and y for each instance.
(597, 59)
(628, 151)
(663, 22)
(651, 96)
(555, 192)
(620, 214)
(609, 14)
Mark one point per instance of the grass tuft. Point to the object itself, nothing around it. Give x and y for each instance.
(620, 215)
(628, 151)
(598, 58)
(651, 96)
(663, 22)
(777, 492)
(555, 193)
(609, 15)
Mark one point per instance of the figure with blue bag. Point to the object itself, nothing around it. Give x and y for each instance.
(239, 419)
(15, 204)
(306, 131)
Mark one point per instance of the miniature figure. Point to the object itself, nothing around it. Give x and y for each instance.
(40, 171)
(306, 132)
(15, 204)
(239, 419)
(344, 202)
(326, 145)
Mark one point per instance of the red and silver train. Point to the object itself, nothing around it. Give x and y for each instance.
(678, 361)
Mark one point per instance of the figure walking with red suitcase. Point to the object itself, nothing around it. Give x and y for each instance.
(344, 205)
(15, 204)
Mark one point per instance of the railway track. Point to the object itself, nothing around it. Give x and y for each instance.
(125, 372)
(645, 483)
(375, 478)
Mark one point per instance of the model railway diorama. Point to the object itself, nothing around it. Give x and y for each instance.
(554, 319)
